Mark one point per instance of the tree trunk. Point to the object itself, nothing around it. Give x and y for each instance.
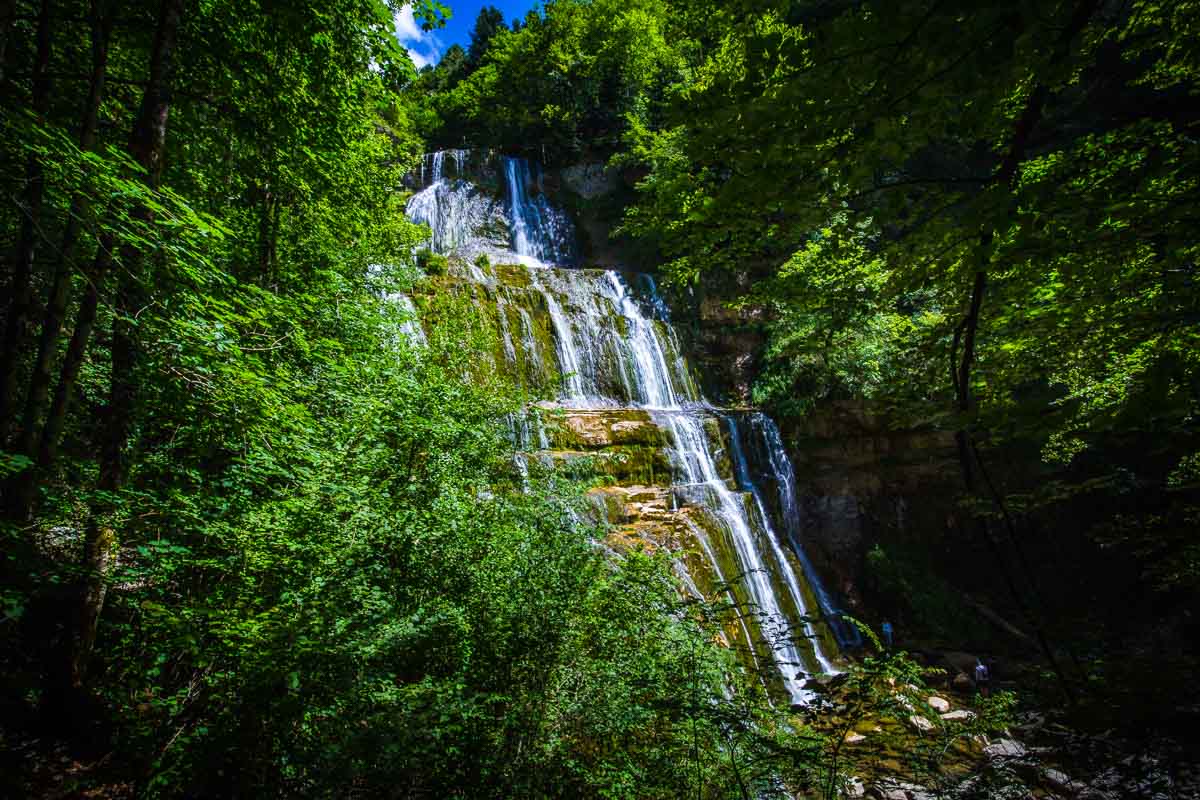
(146, 144)
(73, 360)
(266, 229)
(21, 288)
(23, 490)
(101, 541)
(967, 331)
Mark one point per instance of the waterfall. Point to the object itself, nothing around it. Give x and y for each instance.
(747, 484)
(522, 212)
(539, 231)
(700, 470)
(448, 208)
(615, 348)
(470, 220)
(785, 482)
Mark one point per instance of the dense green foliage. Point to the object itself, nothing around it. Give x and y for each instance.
(912, 148)
(566, 83)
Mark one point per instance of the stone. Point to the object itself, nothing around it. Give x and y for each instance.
(961, 682)
(854, 787)
(1092, 793)
(1060, 781)
(958, 715)
(855, 738)
(939, 704)
(1031, 722)
(920, 724)
(825, 682)
(604, 428)
(1004, 748)
(889, 789)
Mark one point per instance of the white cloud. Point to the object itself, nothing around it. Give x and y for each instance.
(423, 47)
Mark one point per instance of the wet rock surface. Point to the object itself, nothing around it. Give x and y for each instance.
(939, 704)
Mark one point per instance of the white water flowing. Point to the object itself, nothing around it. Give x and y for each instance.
(785, 480)
(700, 469)
(747, 484)
(539, 231)
(615, 349)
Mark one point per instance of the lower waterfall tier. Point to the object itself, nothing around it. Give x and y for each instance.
(716, 521)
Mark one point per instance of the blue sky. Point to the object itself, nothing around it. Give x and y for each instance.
(426, 48)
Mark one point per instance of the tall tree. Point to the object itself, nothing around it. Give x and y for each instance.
(147, 146)
(21, 495)
(30, 207)
(488, 23)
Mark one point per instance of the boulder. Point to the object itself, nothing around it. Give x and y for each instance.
(961, 662)
(920, 724)
(854, 787)
(1031, 722)
(958, 715)
(1060, 781)
(939, 704)
(1092, 793)
(825, 682)
(1004, 748)
(854, 738)
(890, 789)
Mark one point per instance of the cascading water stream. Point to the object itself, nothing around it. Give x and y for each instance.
(538, 231)
(615, 349)
(785, 481)
(747, 484)
(700, 469)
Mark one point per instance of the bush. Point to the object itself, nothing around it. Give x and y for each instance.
(432, 263)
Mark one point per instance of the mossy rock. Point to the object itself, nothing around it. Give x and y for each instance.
(603, 428)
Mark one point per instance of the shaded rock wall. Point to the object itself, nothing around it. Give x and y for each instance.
(862, 482)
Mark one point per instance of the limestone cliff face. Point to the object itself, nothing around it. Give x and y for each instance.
(595, 195)
(726, 340)
(861, 481)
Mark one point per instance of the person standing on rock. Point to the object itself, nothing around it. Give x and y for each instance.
(983, 678)
(887, 634)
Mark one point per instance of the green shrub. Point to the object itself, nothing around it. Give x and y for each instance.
(432, 263)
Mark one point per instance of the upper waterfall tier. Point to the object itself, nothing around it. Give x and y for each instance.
(603, 344)
(475, 202)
